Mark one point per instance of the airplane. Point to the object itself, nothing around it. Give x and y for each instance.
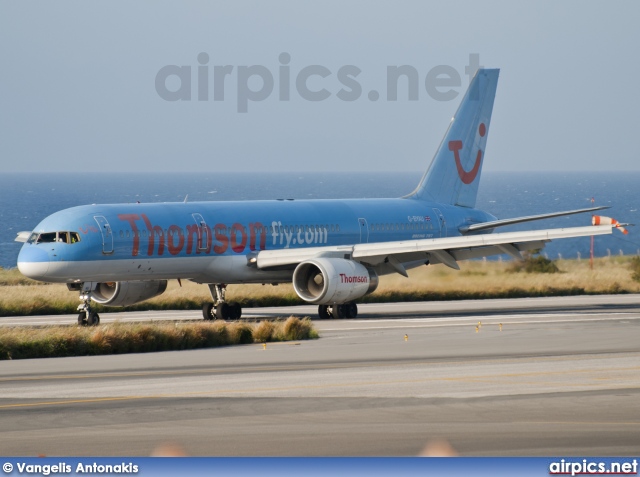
(333, 251)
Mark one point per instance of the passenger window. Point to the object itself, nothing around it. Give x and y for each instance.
(337, 228)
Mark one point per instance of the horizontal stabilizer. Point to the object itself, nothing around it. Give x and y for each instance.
(518, 220)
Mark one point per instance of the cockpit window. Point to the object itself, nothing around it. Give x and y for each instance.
(32, 238)
(51, 237)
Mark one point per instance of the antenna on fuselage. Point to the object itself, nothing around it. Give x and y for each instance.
(185, 198)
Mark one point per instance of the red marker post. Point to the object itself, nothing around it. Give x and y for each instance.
(593, 200)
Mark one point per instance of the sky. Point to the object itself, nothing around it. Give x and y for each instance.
(199, 86)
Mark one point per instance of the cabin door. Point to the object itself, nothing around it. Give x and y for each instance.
(107, 234)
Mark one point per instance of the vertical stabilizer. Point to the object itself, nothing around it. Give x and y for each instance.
(454, 173)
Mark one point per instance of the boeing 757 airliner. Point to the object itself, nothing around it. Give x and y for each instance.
(333, 251)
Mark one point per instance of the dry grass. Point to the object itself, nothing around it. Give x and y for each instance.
(10, 277)
(476, 279)
(118, 338)
(493, 279)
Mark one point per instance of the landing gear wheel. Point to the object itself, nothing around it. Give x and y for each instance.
(86, 317)
(208, 312)
(339, 312)
(323, 312)
(223, 311)
(235, 311)
(94, 319)
(351, 310)
(82, 318)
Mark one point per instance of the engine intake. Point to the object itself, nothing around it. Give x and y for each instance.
(327, 281)
(127, 293)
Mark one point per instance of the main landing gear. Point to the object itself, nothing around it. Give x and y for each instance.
(86, 317)
(220, 309)
(348, 310)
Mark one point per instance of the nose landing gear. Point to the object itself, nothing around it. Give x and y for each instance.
(86, 317)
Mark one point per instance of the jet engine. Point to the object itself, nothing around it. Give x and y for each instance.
(127, 293)
(327, 281)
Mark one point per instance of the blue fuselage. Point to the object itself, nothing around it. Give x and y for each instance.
(209, 241)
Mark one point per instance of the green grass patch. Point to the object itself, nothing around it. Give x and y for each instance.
(531, 264)
(119, 338)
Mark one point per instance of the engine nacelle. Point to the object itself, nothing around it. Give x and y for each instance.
(127, 293)
(327, 281)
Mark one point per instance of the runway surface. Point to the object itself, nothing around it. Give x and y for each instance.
(562, 377)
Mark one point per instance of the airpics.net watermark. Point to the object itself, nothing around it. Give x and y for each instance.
(257, 82)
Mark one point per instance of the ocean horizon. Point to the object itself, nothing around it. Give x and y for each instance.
(27, 198)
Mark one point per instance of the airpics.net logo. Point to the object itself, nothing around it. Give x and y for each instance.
(255, 83)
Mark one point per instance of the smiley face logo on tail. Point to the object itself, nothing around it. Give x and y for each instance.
(455, 146)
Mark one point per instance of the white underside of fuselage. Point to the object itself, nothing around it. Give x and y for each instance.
(221, 269)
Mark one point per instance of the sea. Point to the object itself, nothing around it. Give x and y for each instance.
(27, 198)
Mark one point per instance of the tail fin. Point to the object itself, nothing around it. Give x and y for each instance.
(454, 173)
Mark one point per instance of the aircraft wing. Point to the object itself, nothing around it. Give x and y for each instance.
(392, 256)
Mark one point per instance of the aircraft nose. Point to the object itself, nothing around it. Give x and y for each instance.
(33, 262)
